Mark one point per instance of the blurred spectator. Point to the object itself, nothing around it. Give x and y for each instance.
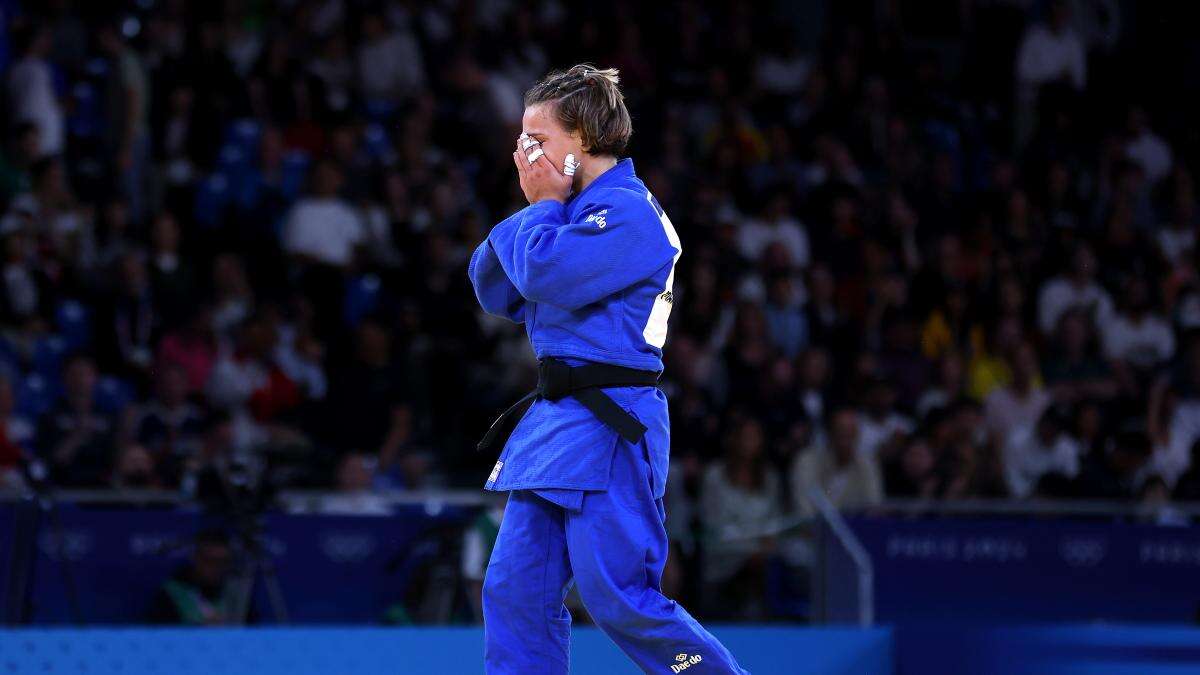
(193, 347)
(1037, 451)
(1155, 506)
(915, 474)
(114, 235)
(948, 387)
(777, 225)
(323, 228)
(16, 435)
(1078, 290)
(172, 277)
(31, 89)
(134, 468)
(740, 504)
(298, 351)
(247, 382)
(1173, 417)
(784, 69)
(366, 390)
(880, 427)
(200, 593)
(233, 299)
(747, 354)
(838, 468)
(1074, 368)
(827, 323)
(20, 152)
(322, 233)
(969, 465)
(50, 213)
(1135, 336)
(1117, 471)
(129, 98)
(352, 493)
(22, 292)
(130, 323)
(181, 141)
(79, 439)
(814, 383)
(1090, 428)
(389, 61)
(1017, 406)
(949, 327)
(1147, 148)
(989, 368)
(169, 425)
(1177, 237)
(1050, 53)
(787, 325)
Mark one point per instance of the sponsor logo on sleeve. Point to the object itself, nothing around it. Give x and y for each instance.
(683, 662)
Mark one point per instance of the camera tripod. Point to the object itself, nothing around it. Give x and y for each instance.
(253, 562)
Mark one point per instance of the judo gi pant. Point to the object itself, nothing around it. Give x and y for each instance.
(614, 548)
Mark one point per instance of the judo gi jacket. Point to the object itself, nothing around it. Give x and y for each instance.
(591, 281)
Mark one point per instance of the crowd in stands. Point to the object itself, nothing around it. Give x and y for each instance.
(932, 250)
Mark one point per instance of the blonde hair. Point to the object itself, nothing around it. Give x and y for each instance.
(587, 100)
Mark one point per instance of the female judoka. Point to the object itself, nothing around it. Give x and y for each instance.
(587, 267)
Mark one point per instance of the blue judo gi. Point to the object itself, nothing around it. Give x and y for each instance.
(591, 280)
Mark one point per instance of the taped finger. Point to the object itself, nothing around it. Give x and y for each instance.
(535, 155)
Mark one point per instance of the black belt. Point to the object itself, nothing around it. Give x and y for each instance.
(556, 379)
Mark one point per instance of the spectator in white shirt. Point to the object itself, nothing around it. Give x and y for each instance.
(1075, 290)
(31, 90)
(776, 225)
(51, 211)
(1037, 451)
(1050, 53)
(880, 427)
(1016, 406)
(1173, 419)
(1136, 336)
(837, 468)
(741, 504)
(1177, 239)
(783, 69)
(324, 227)
(1147, 148)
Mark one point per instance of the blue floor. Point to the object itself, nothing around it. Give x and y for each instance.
(1098, 649)
(934, 649)
(432, 651)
